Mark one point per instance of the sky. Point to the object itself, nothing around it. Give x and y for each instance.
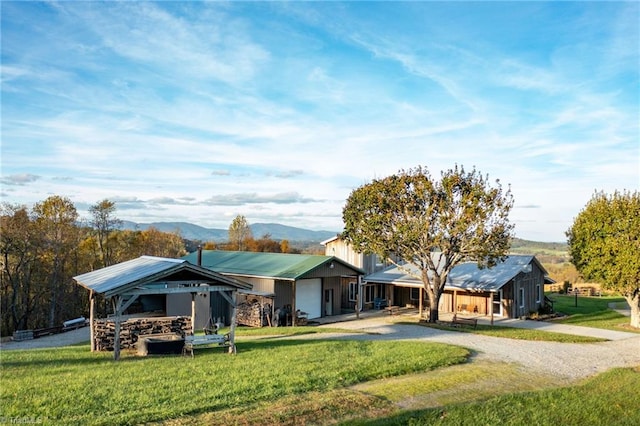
(202, 111)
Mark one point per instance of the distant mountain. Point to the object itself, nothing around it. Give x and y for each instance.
(199, 233)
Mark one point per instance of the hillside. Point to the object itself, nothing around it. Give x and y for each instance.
(545, 252)
(190, 231)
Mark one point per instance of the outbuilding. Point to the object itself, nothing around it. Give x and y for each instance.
(150, 281)
(303, 286)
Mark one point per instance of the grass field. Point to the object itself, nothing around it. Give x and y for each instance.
(608, 399)
(74, 386)
(517, 333)
(295, 382)
(591, 312)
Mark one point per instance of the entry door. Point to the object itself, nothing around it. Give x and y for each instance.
(497, 303)
(328, 302)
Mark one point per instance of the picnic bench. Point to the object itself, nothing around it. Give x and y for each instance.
(456, 321)
(210, 337)
(204, 340)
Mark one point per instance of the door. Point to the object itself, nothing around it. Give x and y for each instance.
(497, 303)
(328, 302)
(309, 297)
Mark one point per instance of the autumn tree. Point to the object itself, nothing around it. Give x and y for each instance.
(604, 244)
(56, 221)
(104, 223)
(19, 244)
(239, 233)
(433, 224)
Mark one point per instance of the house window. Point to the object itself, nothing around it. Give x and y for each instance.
(415, 294)
(369, 294)
(353, 291)
(538, 293)
(522, 297)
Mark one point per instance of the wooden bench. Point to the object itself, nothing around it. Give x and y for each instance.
(393, 310)
(379, 303)
(468, 308)
(203, 340)
(456, 321)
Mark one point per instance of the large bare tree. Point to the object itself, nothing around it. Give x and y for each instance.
(433, 224)
(104, 223)
(239, 233)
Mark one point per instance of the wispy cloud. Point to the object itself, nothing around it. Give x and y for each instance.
(20, 179)
(280, 109)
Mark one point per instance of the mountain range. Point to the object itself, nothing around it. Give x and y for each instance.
(194, 232)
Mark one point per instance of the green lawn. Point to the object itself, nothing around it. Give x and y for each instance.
(608, 399)
(591, 312)
(74, 386)
(517, 333)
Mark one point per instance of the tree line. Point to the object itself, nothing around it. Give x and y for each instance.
(44, 247)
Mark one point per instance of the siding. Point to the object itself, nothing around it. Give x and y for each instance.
(332, 283)
(284, 293)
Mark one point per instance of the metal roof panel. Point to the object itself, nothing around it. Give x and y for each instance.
(467, 276)
(266, 265)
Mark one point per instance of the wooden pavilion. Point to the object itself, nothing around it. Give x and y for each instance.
(126, 282)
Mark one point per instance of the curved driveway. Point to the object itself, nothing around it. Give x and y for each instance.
(570, 360)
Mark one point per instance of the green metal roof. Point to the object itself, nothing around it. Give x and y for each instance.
(267, 265)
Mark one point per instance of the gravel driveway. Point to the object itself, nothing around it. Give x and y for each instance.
(569, 360)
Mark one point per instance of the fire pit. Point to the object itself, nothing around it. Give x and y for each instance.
(160, 344)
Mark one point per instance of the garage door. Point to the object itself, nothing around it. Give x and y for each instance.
(309, 297)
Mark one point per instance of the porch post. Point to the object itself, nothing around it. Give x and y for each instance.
(293, 306)
(420, 302)
(491, 306)
(455, 301)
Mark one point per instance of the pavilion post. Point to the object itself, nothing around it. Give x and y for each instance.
(116, 340)
(234, 317)
(193, 313)
(92, 313)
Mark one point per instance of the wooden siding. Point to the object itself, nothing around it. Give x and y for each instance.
(326, 270)
(284, 293)
(341, 250)
(345, 303)
(266, 285)
(332, 283)
(450, 302)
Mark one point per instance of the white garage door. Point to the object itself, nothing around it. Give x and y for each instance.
(309, 297)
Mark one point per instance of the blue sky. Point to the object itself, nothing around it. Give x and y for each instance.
(201, 111)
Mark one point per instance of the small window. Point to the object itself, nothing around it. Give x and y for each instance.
(538, 293)
(368, 294)
(522, 297)
(353, 291)
(415, 294)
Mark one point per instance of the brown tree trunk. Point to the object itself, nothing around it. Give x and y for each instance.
(634, 302)
(433, 304)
